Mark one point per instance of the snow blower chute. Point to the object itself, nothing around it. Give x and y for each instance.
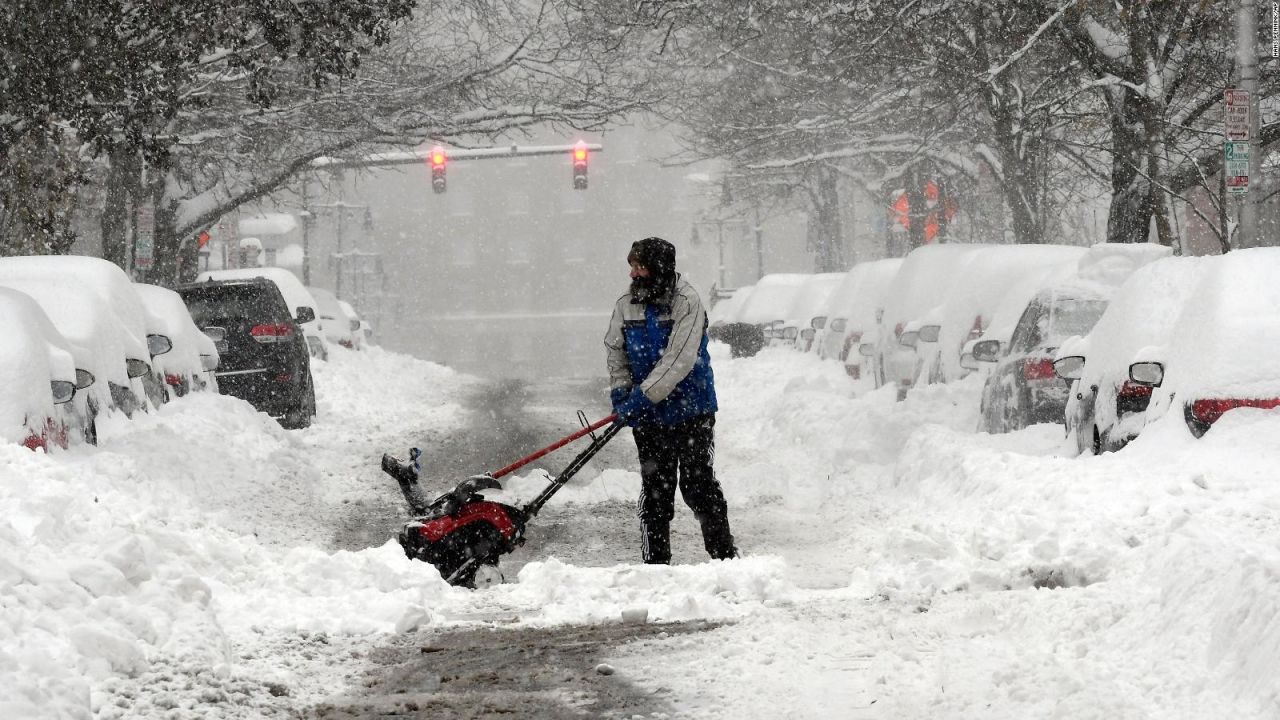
(462, 534)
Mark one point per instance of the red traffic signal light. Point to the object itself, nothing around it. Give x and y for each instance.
(580, 166)
(437, 160)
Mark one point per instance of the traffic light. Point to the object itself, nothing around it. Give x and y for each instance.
(580, 166)
(438, 161)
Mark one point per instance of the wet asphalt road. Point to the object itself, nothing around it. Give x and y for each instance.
(495, 671)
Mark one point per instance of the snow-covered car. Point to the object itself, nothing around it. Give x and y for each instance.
(920, 284)
(95, 306)
(263, 357)
(295, 294)
(37, 376)
(805, 312)
(191, 357)
(966, 311)
(772, 297)
(1023, 388)
(851, 310)
(334, 323)
(356, 324)
(1106, 402)
(1222, 357)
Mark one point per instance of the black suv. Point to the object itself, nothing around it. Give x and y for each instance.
(264, 356)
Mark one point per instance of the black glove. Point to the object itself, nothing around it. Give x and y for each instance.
(634, 406)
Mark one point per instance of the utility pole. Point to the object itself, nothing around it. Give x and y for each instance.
(341, 208)
(759, 245)
(1247, 65)
(307, 220)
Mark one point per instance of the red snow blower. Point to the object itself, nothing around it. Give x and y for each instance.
(462, 534)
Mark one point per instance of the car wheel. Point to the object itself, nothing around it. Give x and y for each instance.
(1097, 441)
(301, 417)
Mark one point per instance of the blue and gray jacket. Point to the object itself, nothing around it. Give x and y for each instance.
(662, 347)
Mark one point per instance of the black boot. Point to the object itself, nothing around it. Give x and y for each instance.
(717, 538)
(655, 539)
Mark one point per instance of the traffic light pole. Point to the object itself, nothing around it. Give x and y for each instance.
(414, 157)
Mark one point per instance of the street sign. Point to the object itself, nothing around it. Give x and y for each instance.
(144, 246)
(1236, 155)
(1236, 117)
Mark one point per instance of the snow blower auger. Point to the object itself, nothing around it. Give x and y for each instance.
(462, 534)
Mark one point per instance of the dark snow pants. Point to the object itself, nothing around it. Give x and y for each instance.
(684, 455)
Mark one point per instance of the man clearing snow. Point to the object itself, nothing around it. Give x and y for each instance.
(662, 386)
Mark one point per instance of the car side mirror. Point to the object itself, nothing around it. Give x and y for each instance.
(807, 334)
(136, 368)
(1069, 367)
(838, 324)
(819, 322)
(209, 362)
(306, 314)
(158, 345)
(909, 339)
(84, 379)
(967, 362)
(986, 350)
(929, 333)
(1150, 374)
(867, 349)
(63, 391)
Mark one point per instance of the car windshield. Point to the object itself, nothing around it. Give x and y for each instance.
(209, 306)
(1075, 316)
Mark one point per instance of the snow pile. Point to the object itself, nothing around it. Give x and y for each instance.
(120, 561)
(994, 575)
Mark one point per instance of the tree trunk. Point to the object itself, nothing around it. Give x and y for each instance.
(1132, 194)
(122, 187)
(830, 251)
(917, 209)
(167, 269)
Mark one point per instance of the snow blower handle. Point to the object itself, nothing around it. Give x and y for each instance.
(552, 447)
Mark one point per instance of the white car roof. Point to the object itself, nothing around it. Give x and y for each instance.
(1224, 342)
(922, 281)
(813, 296)
(860, 292)
(772, 298)
(99, 340)
(176, 324)
(987, 276)
(112, 286)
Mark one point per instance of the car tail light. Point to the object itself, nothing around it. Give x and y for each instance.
(853, 371)
(1208, 411)
(272, 332)
(850, 342)
(173, 380)
(1038, 369)
(897, 329)
(284, 377)
(345, 343)
(1131, 389)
